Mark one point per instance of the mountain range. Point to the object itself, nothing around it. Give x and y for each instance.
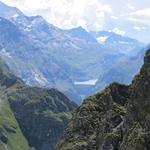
(46, 56)
(33, 118)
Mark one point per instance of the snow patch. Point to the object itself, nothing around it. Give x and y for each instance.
(15, 16)
(3, 52)
(102, 39)
(39, 78)
(88, 82)
(123, 42)
(118, 31)
(26, 29)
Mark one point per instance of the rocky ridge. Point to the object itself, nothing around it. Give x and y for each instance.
(117, 118)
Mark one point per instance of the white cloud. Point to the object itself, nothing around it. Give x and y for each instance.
(134, 19)
(143, 12)
(118, 31)
(140, 17)
(139, 21)
(89, 14)
(131, 7)
(138, 28)
(114, 17)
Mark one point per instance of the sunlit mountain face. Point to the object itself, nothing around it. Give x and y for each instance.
(75, 61)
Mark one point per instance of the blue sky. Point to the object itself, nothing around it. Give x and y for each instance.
(126, 17)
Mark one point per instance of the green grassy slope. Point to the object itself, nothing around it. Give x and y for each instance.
(11, 137)
(36, 115)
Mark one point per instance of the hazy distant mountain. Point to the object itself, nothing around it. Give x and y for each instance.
(82, 34)
(122, 72)
(121, 43)
(44, 55)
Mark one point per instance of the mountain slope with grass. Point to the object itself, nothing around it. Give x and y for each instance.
(30, 117)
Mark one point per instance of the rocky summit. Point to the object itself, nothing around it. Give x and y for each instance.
(117, 118)
(30, 118)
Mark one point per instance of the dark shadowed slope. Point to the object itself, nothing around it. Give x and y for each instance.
(33, 116)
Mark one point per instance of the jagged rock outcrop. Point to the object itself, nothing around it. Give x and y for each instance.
(117, 118)
(137, 124)
(98, 121)
(30, 117)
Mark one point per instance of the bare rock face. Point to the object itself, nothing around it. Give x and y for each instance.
(117, 118)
